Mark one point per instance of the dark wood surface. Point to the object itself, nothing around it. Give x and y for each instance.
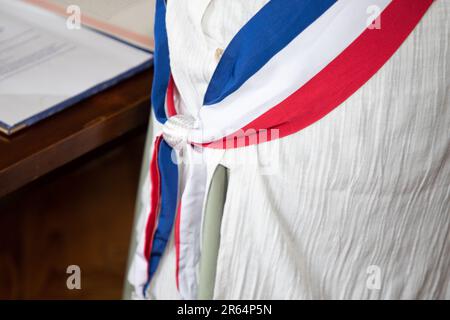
(80, 214)
(41, 148)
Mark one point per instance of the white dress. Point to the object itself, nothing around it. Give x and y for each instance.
(355, 206)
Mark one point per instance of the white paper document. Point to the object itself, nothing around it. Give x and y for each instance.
(45, 67)
(128, 20)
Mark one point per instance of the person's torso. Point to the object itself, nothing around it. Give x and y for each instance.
(366, 185)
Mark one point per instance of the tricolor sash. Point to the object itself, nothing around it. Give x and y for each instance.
(289, 66)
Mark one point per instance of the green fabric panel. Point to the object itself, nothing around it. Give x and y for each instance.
(211, 232)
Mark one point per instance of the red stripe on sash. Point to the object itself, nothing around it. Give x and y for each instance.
(155, 200)
(171, 110)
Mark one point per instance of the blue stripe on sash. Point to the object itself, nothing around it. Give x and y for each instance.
(268, 32)
(162, 65)
(169, 196)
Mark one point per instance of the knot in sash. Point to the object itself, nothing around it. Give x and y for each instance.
(176, 130)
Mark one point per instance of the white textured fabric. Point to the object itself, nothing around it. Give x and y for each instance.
(362, 192)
